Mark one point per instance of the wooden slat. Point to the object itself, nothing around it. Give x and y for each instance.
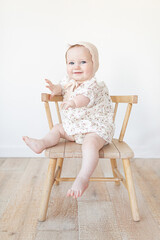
(110, 151)
(58, 112)
(45, 97)
(125, 99)
(119, 175)
(67, 149)
(59, 168)
(73, 150)
(124, 150)
(56, 151)
(131, 189)
(115, 111)
(49, 116)
(47, 189)
(94, 179)
(125, 122)
(114, 167)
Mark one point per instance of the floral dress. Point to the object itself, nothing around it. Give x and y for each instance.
(96, 117)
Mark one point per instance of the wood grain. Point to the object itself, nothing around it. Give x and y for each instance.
(103, 212)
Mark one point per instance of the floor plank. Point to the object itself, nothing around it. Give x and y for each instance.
(2, 160)
(54, 235)
(96, 191)
(15, 164)
(96, 221)
(62, 217)
(103, 212)
(148, 180)
(19, 219)
(146, 228)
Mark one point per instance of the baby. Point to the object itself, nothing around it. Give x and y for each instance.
(87, 112)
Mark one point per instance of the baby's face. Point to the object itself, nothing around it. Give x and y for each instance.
(79, 64)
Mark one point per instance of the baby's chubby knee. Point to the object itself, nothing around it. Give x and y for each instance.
(59, 128)
(92, 141)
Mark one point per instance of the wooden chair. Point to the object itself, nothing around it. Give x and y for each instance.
(118, 149)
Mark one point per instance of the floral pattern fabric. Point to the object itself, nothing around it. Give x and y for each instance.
(96, 117)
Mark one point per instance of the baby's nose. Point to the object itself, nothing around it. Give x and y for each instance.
(77, 66)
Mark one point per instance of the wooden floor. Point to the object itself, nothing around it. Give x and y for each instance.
(103, 212)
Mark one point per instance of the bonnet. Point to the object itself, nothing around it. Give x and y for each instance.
(93, 51)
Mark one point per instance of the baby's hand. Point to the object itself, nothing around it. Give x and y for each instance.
(68, 104)
(54, 88)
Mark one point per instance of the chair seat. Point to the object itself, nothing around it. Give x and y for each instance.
(67, 149)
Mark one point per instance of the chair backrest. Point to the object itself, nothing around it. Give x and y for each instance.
(129, 100)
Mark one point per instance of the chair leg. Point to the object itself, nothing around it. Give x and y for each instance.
(114, 165)
(59, 165)
(47, 189)
(131, 190)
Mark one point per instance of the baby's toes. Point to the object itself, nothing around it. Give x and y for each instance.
(79, 193)
(75, 194)
(69, 193)
(24, 138)
(72, 193)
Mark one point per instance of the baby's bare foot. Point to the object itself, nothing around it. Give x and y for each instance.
(78, 187)
(36, 145)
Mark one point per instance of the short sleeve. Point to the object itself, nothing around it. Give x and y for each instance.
(88, 90)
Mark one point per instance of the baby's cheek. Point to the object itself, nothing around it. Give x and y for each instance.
(68, 68)
(69, 72)
(89, 71)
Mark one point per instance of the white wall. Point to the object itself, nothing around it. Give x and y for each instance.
(34, 34)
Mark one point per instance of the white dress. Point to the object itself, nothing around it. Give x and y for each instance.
(96, 117)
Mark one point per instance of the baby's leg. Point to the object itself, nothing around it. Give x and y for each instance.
(90, 149)
(51, 139)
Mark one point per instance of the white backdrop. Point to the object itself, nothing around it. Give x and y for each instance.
(34, 34)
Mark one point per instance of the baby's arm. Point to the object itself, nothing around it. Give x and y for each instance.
(77, 102)
(55, 89)
(81, 101)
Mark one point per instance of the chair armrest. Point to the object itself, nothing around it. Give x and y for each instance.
(45, 97)
(125, 99)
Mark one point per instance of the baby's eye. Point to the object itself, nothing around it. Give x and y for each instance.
(71, 63)
(83, 62)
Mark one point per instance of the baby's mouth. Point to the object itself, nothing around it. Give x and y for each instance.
(77, 72)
